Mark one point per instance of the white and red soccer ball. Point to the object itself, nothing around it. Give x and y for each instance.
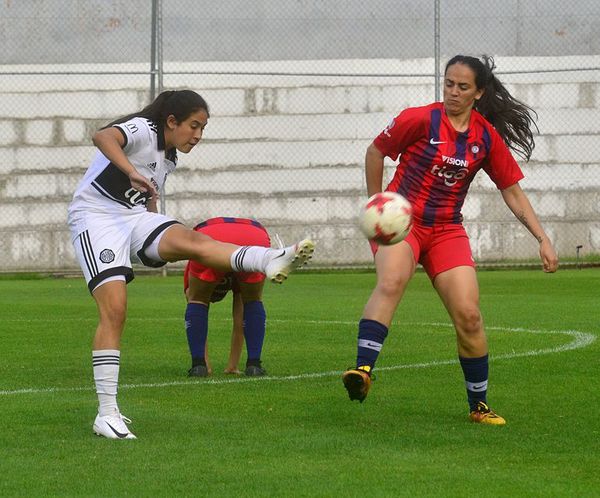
(386, 218)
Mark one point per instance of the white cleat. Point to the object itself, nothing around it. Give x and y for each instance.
(113, 427)
(286, 260)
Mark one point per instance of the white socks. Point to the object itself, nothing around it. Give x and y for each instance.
(106, 377)
(250, 258)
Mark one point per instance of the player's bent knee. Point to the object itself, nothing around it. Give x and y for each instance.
(391, 287)
(180, 242)
(469, 321)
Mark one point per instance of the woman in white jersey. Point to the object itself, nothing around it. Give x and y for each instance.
(113, 222)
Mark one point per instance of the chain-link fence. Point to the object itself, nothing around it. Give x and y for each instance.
(297, 91)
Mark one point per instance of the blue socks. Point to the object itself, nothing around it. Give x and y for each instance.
(371, 335)
(196, 327)
(254, 329)
(475, 371)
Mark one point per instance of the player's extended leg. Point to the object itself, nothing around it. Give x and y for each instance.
(111, 300)
(180, 243)
(254, 326)
(459, 291)
(196, 323)
(395, 266)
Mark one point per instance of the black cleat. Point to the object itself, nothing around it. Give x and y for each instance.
(255, 371)
(198, 371)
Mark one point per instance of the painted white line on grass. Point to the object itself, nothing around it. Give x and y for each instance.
(580, 340)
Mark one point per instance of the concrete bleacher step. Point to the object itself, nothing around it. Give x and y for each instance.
(339, 243)
(256, 154)
(319, 204)
(383, 96)
(271, 179)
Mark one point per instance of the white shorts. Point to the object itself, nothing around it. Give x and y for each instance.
(106, 243)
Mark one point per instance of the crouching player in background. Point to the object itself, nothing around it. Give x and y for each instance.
(228, 283)
(204, 285)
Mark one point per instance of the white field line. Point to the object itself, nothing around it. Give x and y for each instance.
(579, 340)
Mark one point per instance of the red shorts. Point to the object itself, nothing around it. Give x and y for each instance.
(439, 248)
(239, 231)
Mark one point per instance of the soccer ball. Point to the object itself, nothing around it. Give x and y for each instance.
(386, 218)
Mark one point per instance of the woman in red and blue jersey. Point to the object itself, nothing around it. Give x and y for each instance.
(441, 147)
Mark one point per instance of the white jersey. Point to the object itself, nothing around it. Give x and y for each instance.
(106, 187)
(110, 225)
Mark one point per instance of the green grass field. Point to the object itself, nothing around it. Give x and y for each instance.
(296, 433)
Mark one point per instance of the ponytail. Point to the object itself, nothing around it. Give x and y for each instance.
(512, 119)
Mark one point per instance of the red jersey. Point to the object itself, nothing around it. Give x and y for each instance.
(437, 163)
(239, 231)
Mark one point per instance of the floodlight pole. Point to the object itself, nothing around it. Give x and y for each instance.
(156, 59)
(156, 73)
(436, 43)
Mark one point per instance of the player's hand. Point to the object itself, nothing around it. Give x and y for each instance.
(548, 256)
(141, 183)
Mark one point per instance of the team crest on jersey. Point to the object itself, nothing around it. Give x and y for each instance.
(107, 256)
(475, 148)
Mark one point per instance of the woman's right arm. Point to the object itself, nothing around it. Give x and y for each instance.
(110, 141)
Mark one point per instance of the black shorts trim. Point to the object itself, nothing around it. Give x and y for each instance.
(155, 233)
(111, 272)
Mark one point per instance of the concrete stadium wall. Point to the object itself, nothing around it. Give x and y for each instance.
(290, 153)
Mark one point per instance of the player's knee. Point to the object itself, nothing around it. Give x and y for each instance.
(183, 243)
(468, 320)
(113, 314)
(199, 244)
(391, 287)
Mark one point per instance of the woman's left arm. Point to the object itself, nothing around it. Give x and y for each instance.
(152, 204)
(519, 204)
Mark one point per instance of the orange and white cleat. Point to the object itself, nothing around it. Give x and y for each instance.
(357, 382)
(484, 415)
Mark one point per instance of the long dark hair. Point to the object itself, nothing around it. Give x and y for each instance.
(513, 120)
(179, 103)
